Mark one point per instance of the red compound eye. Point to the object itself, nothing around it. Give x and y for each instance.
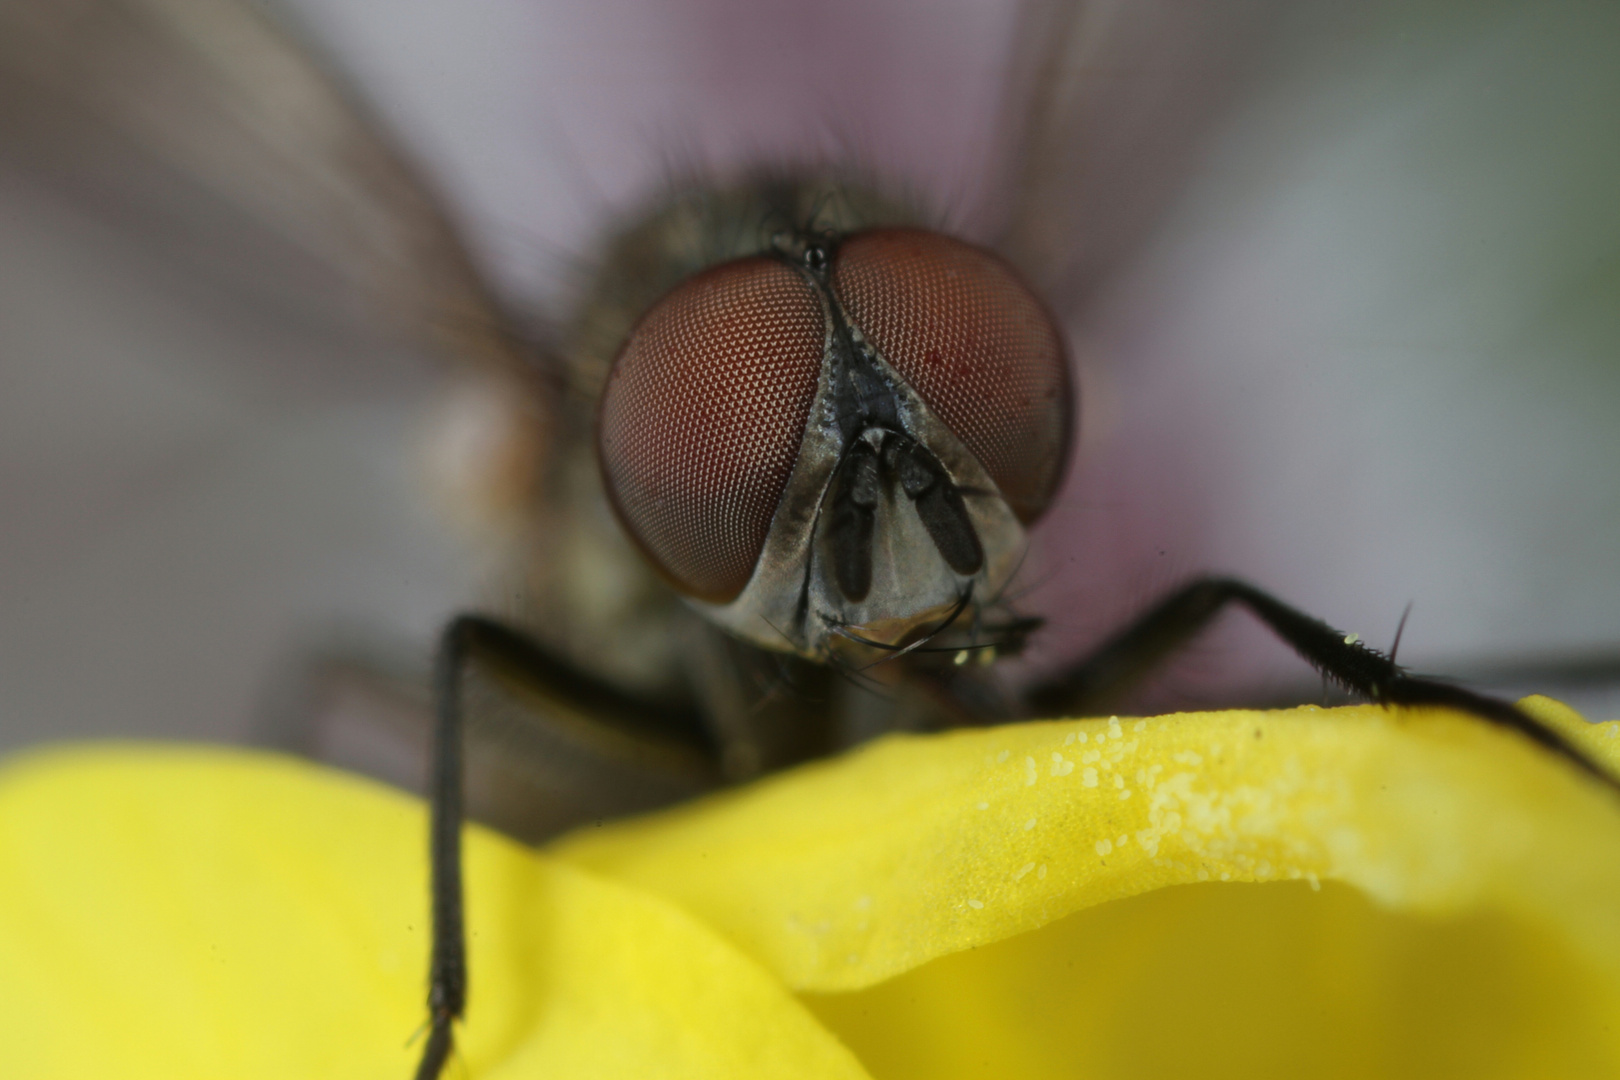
(960, 326)
(703, 416)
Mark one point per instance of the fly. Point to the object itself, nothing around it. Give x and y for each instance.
(785, 453)
(829, 443)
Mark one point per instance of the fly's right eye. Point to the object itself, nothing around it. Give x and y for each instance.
(703, 417)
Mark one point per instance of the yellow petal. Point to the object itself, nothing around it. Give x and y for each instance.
(198, 913)
(1471, 922)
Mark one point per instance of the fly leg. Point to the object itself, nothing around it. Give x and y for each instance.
(549, 686)
(1130, 654)
(447, 970)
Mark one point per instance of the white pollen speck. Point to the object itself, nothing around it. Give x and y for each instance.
(863, 903)
(961, 657)
(1113, 719)
(1041, 872)
(1080, 736)
(1031, 773)
(1028, 825)
(1124, 795)
(1089, 778)
(1141, 725)
(1119, 781)
(975, 904)
(1122, 841)
(1022, 870)
(1068, 740)
(1351, 639)
(984, 806)
(1202, 875)
(1316, 885)
(1225, 876)
(1104, 847)
(1003, 755)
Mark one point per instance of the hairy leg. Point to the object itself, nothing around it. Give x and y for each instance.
(1126, 657)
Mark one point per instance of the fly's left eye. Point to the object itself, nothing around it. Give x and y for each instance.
(964, 330)
(703, 417)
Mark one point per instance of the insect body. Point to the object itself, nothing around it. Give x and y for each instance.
(786, 449)
(830, 445)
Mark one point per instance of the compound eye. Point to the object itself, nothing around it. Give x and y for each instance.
(963, 329)
(703, 416)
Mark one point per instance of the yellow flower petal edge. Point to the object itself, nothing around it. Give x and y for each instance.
(205, 913)
(1435, 898)
(847, 873)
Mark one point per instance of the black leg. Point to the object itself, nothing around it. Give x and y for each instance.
(447, 971)
(1129, 655)
(550, 685)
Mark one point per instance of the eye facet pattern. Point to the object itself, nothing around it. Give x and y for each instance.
(703, 417)
(960, 326)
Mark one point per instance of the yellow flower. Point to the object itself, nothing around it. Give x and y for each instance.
(1303, 893)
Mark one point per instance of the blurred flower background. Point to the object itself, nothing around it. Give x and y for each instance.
(1356, 335)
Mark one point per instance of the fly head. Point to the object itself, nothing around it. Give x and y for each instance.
(834, 447)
